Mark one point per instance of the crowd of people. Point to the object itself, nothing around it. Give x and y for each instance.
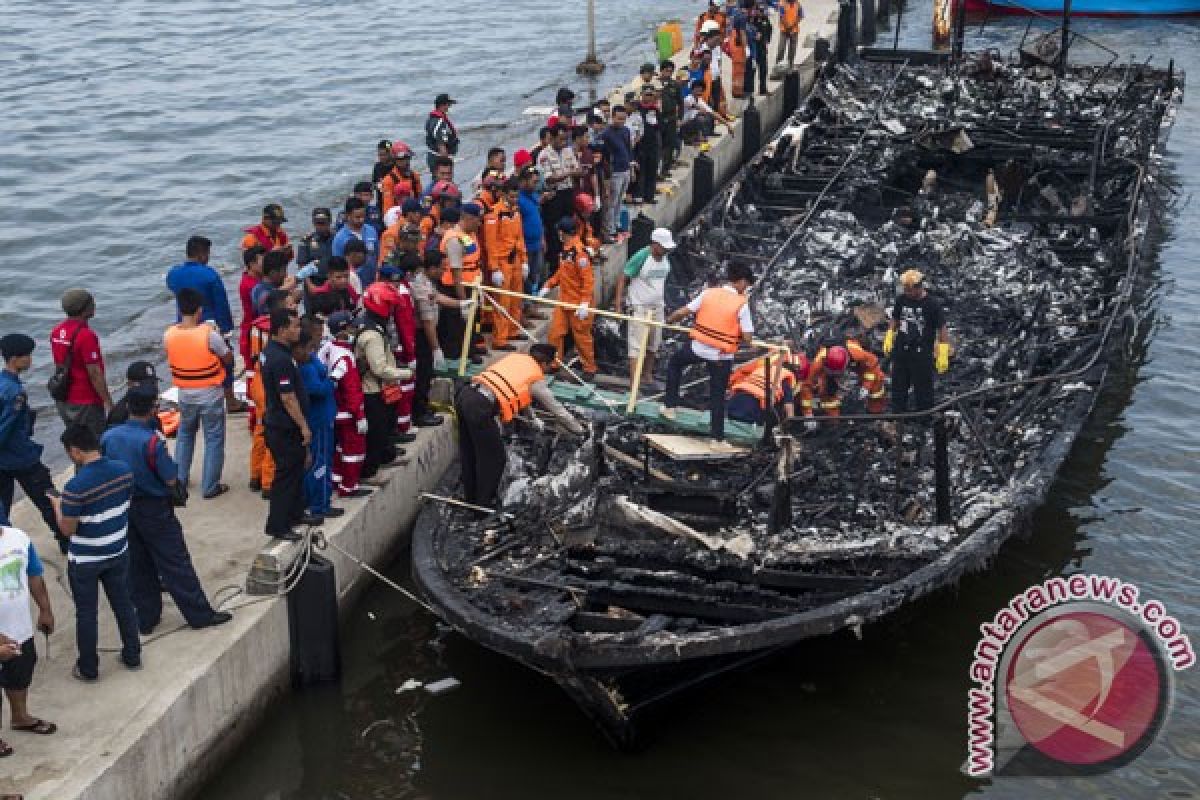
(340, 334)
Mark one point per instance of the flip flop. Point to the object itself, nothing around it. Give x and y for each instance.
(5, 749)
(38, 726)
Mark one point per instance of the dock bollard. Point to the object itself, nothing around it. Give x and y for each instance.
(704, 183)
(846, 29)
(791, 93)
(867, 29)
(640, 232)
(751, 132)
(313, 625)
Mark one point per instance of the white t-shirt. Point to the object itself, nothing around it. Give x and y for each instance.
(646, 288)
(16, 622)
(693, 104)
(745, 321)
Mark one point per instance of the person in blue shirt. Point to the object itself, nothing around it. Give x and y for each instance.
(529, 203)
(617, 146)
(356, 227)
(94, 512)
(20, 455)
(322, 411)
(158, 554)
(195, 273)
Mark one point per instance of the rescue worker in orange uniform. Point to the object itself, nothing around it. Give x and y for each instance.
(262, 465)
(411, 215)
(401, 182)
(823, 388)
(790, 14)
(747, 400)
(714, 13)
(722, 324)
(269, 233)
(462, 263)
(502, 391)
(508, 263)
(576, 283)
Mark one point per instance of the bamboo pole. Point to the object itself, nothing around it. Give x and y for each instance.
(635, 383)
(463, 504)
(667, 326)
(464, 356)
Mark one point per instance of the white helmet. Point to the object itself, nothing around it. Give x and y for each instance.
(710, 26)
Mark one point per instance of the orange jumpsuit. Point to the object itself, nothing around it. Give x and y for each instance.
(262, 466)
(735, 47)
(395, 188)
(820, 390)
(716, 16)
(504, 251)
(575, 283)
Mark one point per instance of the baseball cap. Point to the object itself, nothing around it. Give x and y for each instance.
(275, 211)
(141, 372)
(474, 209)
(662, 237)
(339, 320)
(444, 99)
(567, 225)
(522, 158)
(322, 215)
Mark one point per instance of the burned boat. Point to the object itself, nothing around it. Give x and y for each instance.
(634, 563)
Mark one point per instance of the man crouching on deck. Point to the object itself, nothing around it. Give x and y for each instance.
(505, 389)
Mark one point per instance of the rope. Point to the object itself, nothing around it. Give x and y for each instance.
(321, 542)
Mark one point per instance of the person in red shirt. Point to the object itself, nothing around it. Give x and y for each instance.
(270, 233)
(87, 401)
(252, 259)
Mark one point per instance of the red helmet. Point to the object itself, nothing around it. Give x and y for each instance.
(798, 364)
(401, 150)
(836, 358)
(584, 206)
(444, 189)
(377, 298)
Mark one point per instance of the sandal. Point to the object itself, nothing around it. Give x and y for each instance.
(5, 749)
(38, 726)
(220, 490)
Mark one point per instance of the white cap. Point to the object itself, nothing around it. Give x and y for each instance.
(662, 236)
(710, 26)
(393, 214)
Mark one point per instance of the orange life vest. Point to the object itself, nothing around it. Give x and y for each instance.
(754, 381)
(472, 255)
(716, 322)
(395, 188)
(193, 365)
(789, 17)
(511, 379)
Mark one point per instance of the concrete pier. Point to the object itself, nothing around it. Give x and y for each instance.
(162, 731)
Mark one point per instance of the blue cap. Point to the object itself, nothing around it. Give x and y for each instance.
(339, 321)
(410, 205)
(474, 209)
(567, 225)
(387, 272)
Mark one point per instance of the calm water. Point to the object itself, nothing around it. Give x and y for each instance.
(235, 105)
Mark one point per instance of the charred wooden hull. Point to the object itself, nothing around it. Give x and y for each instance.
(1016, 193)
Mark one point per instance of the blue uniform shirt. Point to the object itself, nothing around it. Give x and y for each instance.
(370, 237)
(98, 496)
(129, 443)
(18, 450)
(530, 206)
(207, 281)
(321, 408)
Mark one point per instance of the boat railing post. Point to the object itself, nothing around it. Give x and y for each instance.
(941, 469)
(1066, 38)
(635, 381)
(464, 356)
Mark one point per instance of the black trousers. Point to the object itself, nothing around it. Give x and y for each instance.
(450, 326)
(424, 376)
(157, 550)
(35, 482)
(756, 65)
(560, 205)
(670, 149)
(718, 379)
(381, 423)
(480, 446)
(912, 372)
(287, 490)
(649, 157)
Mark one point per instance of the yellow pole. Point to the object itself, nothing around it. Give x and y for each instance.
(464, 357)
(635, 382)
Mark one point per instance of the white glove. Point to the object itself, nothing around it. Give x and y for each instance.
(497, 278)
(582, 311)
(524, 271)
(544, 292)
(863, 394)
(361, 426)
(439, 359)
(304, 273)
(811, 425)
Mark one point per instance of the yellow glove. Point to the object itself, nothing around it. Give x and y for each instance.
(941, 357)
(889, 341)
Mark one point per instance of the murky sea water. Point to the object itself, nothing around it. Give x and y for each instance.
(233, 105)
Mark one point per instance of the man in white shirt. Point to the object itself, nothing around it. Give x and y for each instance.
(722, 323)
(699, 118)
(20, 579)
(642, 284)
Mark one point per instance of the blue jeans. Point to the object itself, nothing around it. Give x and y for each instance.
(537, 265)
(212, 417)
(85, 579)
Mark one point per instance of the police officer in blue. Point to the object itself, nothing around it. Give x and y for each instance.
(20, 455)
(158, 554)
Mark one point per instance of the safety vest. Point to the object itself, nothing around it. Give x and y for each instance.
(471, 257)
(716, 322)
(754, 383)
(402, 187)
(511, 379)
(789, 14)
(193, 365)
(262, 236)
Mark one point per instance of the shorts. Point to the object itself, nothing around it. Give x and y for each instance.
(17, 674)
(637, 330)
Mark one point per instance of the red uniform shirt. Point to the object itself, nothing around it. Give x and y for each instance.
(85, 352)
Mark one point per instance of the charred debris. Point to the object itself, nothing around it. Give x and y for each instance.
(1024, 197)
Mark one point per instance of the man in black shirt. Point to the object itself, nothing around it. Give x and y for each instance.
(139, 374)
(918, 336)
(286, 428)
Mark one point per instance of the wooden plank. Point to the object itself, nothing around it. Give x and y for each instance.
(692, 448)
